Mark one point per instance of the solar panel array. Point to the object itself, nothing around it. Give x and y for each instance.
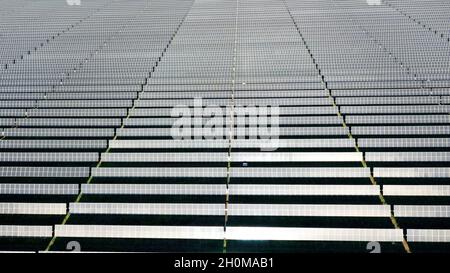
(87, 153)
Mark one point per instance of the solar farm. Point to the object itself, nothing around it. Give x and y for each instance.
(359, 91)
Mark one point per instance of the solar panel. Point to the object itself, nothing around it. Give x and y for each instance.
(286, 110)
(165, 157)
(397, 119)
(39, 189)
(408, 156)
(324, 172)
(283, 131)
(147, 208)
(25, 231)
(412, 172)
(154, 232)
(299, 143)
(387, 100)
(155, 189)
(69, 112)
(158, 172)
(297, 157)
(52, 144)
(299, 190)
(59, 132)
(422, 211)
(243, 102)
(416, 190)
(314, 234)
(48, 157)
(282, 143)
(148, 144)
(72, 122)
(396, 109)
(44, 171)
(404, 142)
(232, 233)
(84, 104)
(7, 122)
(401, 130)
(388, 92)
(92, 96)
(428, 235)
(233, 209)
(12, 113)
(243, 94)
(238, 189)
(33, 208)
(319, 120)
(309, 210)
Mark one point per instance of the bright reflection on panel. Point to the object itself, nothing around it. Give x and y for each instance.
(312, 234)
(373, 2)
